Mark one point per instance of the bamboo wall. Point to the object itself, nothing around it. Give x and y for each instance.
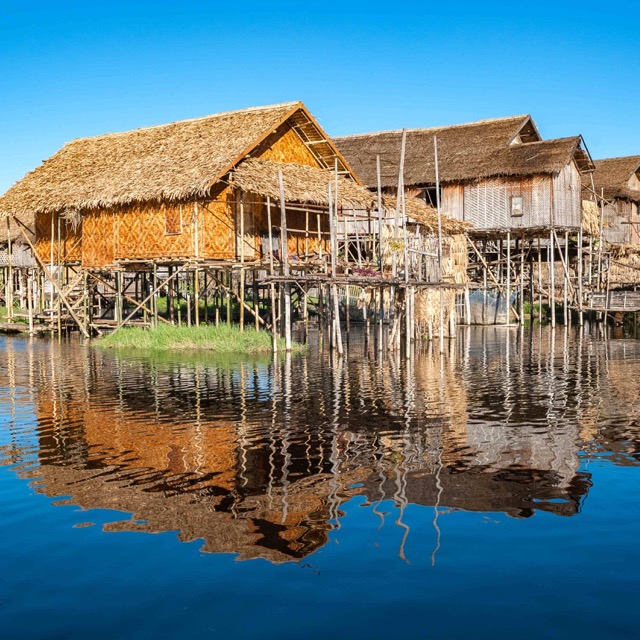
(163, 231)
(70, 247)
(284, 145)
(547, 200)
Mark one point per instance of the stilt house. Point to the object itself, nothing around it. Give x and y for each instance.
(496, 175)
(615, 185)
(170, 193)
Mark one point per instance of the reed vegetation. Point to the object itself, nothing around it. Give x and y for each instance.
(219, 339)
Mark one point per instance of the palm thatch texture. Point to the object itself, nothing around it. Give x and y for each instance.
(625, 266)
(305, 184)
(168, 163)
(590, 218)
(488, 148)
(618, 178)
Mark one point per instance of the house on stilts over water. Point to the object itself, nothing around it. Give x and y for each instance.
(614, 190)
(520, 194)
(223, 213)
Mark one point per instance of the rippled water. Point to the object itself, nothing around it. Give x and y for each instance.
(492, 490)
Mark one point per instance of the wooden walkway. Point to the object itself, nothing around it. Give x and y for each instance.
(621, 301)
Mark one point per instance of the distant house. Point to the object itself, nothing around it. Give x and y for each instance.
(617, 180)
(497, 175)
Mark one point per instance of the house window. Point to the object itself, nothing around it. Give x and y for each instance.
(173, 221)
(517, 206)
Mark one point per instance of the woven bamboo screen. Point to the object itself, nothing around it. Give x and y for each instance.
(567, 198)
(284, 145)
(69, 249)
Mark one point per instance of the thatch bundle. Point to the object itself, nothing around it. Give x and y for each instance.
(454, 269)
(590, 218)
(465, 152)
(624, 269)
(302, 183)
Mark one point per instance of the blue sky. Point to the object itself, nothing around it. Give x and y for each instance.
(70, 69)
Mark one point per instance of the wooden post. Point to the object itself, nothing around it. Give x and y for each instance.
(379, 214)
(170, 296)
(336, 337)
(196, 295)
(55, 284)
(154, 298)
(256, 299)
(540, 280)
(440, 279)
(508, 279)
(552, 279)
(9, 289)
(285, 263)
(228, 294)
(117, 312)
(30, 300)
(521, 304)
(580, 276)
(567, 314)
(274, 330)
(242, 273)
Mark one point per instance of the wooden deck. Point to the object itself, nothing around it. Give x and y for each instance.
(621, 301)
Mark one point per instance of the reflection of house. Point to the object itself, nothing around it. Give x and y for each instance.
(257, 459)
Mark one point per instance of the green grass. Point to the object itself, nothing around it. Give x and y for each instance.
(220, 339)
(15, 320)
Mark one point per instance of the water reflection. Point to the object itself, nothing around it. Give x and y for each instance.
(257, 458)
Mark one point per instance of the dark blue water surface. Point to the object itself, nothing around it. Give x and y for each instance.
(490, 491)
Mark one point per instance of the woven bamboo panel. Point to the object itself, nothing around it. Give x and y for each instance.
(284, 145)
(98, 239)
(567, 198)
(616, 217)
(141, 232)
(252, 206)
(217, 226)
(70, 247)
(487, 203)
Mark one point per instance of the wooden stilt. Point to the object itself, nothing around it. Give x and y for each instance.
(552, 279)
(285, 262)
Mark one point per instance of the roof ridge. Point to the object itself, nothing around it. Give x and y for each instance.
(196, 119)
(633, 156)
(439, 128)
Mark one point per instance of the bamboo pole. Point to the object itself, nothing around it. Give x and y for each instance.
(508, 279)
(580, 276)
(9, 289)
(335, 334)
(439, 210)
(30, 300)
(274, 332)
(567, 315)
(59, 274)
(521, 304)
(126, 297)
(55, 284)
(552, 279)
(285, 263)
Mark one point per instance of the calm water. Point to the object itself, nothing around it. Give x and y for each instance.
(494, 490)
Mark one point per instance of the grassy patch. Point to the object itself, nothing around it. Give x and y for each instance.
(20, 319)
(220, 339)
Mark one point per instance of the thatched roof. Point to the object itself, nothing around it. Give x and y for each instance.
(501, 147)
(613, 175)
(171, 162)
(304, 184)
